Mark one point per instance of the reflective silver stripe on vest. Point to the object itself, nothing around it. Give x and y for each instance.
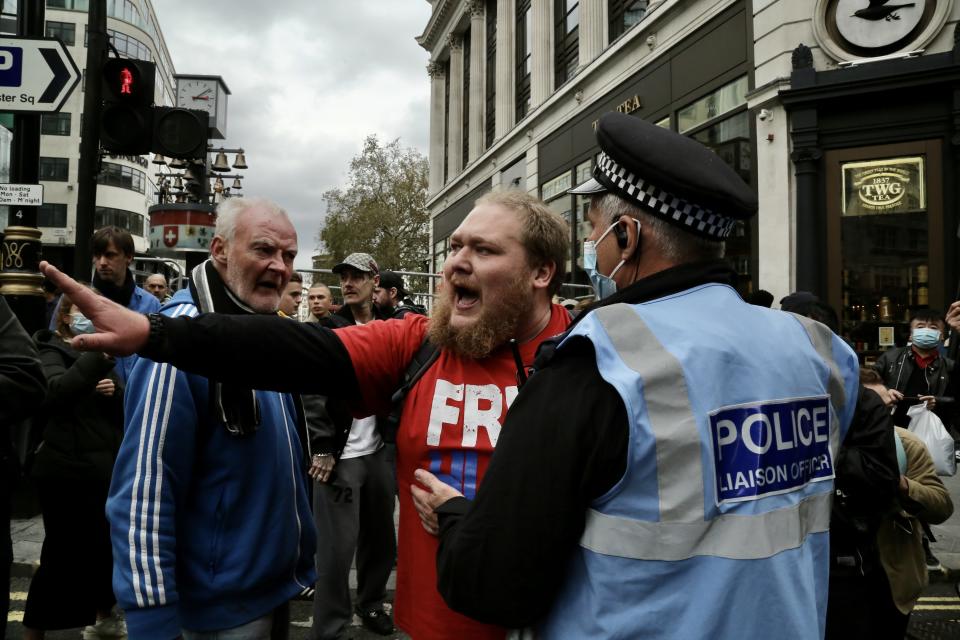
(822, 339)
(739, 537)
(679, 467)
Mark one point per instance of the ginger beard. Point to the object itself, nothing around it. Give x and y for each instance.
(497, 323)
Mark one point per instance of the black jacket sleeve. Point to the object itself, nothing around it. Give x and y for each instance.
(22, 384)
(867, 473)
(259, 352)
(564, 444)
(67, 383)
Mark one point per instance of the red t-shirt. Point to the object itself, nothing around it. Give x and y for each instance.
(451, 422)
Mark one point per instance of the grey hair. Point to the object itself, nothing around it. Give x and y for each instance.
(673, 243)
(230, 210)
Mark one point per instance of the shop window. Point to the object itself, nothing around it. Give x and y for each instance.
(884, 231)
(465, 114)
(573, 209)
(55, 124)
(446, 120)
(490, 124)
(566, 39)
(66, 31)
(664, 122)
(52, 215)
(54, 169)
(714, 105)
(524, 47)
(729, 138)
(623, 14)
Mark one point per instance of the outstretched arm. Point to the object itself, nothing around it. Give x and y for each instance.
(256, 351)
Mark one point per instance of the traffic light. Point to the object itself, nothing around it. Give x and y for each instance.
(180, 133)
(126, 122)
(131, 125)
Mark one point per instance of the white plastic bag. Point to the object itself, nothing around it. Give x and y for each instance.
(927, 426)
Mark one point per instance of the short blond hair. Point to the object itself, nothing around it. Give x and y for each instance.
(544, 234)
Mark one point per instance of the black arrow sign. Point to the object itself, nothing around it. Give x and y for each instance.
(60, 75)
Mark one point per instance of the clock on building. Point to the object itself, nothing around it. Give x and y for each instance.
(207, 93)
(862, 29)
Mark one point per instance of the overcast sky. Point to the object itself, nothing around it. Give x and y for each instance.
(309, 80)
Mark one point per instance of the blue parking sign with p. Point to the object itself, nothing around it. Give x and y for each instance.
(11, 66)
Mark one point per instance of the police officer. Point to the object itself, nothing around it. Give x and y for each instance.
(669, 472)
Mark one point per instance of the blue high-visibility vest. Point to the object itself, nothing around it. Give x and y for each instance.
(719, 527)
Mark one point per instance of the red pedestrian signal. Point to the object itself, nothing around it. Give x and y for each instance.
(126, 122)
(128, 81)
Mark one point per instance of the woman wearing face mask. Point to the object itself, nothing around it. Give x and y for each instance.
(83, 427)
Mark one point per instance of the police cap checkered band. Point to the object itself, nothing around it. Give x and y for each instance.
(661, 203)
(668, 175)
(360, 261)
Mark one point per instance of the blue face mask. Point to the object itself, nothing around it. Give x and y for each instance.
(80, 324)
(925, 338)
(603, 286)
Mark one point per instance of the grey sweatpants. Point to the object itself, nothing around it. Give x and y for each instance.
(354, 514)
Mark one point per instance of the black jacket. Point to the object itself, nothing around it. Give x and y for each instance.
(328, 418)
(82, 429)
(896, 366)
(22, 385)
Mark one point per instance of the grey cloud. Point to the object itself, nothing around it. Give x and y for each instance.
(309, 80)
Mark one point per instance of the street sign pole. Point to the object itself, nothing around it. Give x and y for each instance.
(88, 166)
(20, 279)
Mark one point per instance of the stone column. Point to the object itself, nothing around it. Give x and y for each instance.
(591, 30)
(541, 58)
(455, 122)
(437, 124)
(506, 67)
(478, 78)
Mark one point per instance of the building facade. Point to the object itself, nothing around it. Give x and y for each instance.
(843, 116)
(126, 184)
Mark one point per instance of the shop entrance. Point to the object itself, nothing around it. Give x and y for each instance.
(884, 240)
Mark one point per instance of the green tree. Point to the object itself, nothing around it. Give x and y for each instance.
(382, 210)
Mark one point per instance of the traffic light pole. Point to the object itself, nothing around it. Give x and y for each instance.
(90, 139)
(20, 279)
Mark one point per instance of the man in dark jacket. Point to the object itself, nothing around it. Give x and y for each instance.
(391, 296)
(22, 388)
(917, 370)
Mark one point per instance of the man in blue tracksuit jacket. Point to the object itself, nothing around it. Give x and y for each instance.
(208, 506)
(669, 472)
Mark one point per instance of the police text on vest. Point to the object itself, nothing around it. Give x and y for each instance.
(770, 447)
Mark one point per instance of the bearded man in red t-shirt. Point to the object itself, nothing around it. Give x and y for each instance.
(493, 310)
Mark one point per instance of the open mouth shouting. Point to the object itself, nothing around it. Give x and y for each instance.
(269, 284)
(465, 298)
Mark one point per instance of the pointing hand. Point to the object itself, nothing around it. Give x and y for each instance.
(120, 331)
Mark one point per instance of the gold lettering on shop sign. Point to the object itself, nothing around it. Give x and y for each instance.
(627, 106)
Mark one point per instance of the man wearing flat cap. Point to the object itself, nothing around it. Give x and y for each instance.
(354, 496)
(668, 472)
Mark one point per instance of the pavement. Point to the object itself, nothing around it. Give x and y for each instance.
(947, 546)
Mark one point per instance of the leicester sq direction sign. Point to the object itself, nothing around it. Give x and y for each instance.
(36, 74)
(21, 195)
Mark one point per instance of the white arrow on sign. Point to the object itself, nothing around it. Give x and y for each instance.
(36, 74)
